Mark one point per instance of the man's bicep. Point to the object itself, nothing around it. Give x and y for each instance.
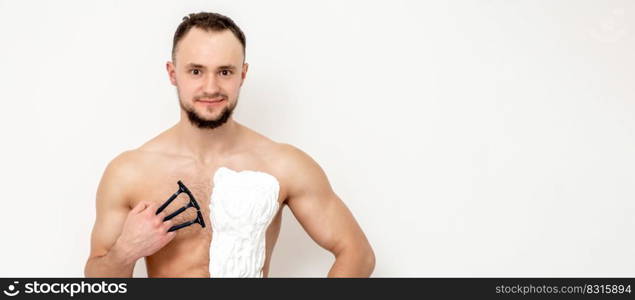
(111, 209)
(326, 219)
(322, 214)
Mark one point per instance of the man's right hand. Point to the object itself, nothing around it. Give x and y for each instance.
(143, 233)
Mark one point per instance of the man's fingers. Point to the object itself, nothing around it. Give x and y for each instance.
(140, 207)
(152, 208)
(166, 225)
(168, 237)
(155, 221)
(162, 215)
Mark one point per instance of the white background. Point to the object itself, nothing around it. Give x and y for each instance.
(468, 138)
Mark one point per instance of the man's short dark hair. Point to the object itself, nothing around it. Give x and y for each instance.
(207, 21)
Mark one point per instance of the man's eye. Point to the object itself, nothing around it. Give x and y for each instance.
(225, 72)
(195, 71)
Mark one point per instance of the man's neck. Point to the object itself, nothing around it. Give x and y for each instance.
(206, 145)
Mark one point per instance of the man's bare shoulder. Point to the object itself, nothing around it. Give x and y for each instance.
(120, 165)
(115, 185)
(289, 155)
(129, 166)
(128, 162)
(285, 159)
(295, 165)
(277, 153)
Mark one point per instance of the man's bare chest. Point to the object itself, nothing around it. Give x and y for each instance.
(160, 182)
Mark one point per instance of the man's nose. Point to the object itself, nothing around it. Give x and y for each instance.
(211, 85)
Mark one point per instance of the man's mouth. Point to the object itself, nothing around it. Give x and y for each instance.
(210, 100)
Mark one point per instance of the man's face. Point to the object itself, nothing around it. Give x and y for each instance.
(208, 72)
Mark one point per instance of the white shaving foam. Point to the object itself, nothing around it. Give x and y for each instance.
(242, 206)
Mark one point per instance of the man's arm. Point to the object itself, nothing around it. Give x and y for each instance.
(122, 235)
(325, 217)
(112, 209)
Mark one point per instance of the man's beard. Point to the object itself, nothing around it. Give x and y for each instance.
(203, 123)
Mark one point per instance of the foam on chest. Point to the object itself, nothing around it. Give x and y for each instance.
(242, 206)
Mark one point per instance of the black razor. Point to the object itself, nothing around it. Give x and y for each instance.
(191, 203)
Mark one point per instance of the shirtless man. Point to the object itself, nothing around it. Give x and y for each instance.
(207, 147)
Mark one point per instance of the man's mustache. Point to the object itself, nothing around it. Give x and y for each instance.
(211, 96)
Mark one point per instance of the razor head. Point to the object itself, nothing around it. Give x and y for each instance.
(199, 218)
(184, 189)
(191, 203)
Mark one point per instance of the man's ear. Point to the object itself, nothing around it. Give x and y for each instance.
(169, 66)
(243, 73)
